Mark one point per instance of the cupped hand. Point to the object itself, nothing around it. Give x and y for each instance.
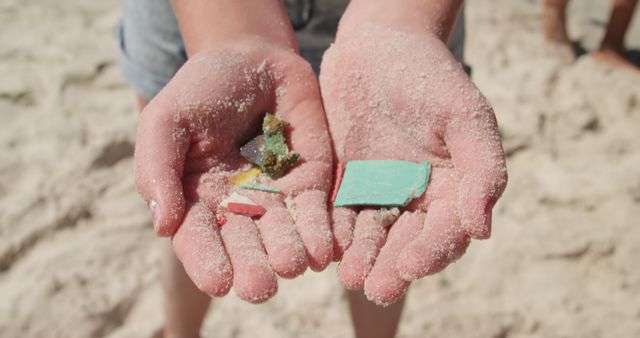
(188, 144)
(402, 96)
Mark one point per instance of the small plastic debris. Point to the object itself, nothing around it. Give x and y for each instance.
(270, 151)
(253, 151)
(338, 180)
(261, 187)
(246, 209)
(277, 158)
(242, 205)
(384, 183)
(245, 176)
(236, 198)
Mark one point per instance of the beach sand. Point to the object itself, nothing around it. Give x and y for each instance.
(78, 257)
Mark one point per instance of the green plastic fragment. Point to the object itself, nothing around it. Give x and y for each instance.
(270, 151)
(386, 183)
(277, 158)
(260, 187)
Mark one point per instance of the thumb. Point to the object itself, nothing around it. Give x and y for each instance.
(476, 151)
(160, 153)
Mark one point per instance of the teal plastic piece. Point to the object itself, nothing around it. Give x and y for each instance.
(260, 187)
(385, 183)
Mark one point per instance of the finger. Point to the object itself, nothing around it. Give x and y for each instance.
(384, 285)
(369, 235)
(440, 242)
(284, 246)
(253, 278)
(312, 222)
(307, 175)
(344, 220)
(300, 104)
(476, 150)
(198, 245)
(161, 148)
(285, 250)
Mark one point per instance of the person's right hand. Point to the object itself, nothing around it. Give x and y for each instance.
(188, 144)
(396, 95)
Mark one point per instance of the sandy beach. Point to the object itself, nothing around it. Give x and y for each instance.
(78, 256)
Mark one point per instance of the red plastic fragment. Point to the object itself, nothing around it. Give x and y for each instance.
(338, 180)
(246, 209)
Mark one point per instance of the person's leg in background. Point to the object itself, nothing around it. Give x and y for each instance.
(185, 306)
(612, 48)
(373, 321)
(554, 27)
(612, 51)
(554, 19)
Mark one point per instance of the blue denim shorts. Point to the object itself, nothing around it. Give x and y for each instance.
(151, 49)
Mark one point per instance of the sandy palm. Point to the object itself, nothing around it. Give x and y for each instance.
(188, 145)
(393, 95)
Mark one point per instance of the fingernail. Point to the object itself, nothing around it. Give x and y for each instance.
(154, 214)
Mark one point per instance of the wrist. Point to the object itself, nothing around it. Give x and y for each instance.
(209, 24)
(434, 17)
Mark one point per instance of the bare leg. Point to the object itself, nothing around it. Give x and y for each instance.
(372, 321)
(184, 305)
(612, 48)
(621, 15)
(554, 22)
(554, 25)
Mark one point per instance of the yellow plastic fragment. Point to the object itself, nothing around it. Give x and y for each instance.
(245, 177)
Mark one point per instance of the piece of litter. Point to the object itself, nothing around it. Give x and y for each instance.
(277, 158)
(253, 151)
(270, 151)
(245, 176)
(260, 187)
(338, 179)
(246, 209)
(387, 183)
(236, 198)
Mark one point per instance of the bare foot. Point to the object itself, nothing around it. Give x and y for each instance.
(615, 58)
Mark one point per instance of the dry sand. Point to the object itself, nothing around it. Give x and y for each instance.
(77, 253)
